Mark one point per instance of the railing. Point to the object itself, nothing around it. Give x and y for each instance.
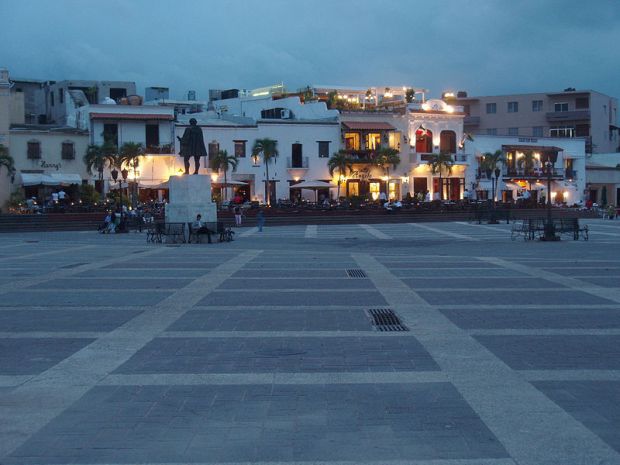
(532, 173)
(160, 149)
(300, 164)
(568, 115)
(362, 156)
(428, 157)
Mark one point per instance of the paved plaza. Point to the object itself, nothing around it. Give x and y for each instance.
(263, 350)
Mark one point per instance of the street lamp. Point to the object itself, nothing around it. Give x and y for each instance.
(494, 186)
(548, 160)
(124, 174)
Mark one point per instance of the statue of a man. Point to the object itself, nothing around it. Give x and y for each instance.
(192, 145)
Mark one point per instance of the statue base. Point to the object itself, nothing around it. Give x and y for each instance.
(190, 195)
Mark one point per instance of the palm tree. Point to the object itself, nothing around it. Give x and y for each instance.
(341, 162)
(489, 165)
(130, 154)
(221, 162)
(98, 157)
(527, 162)
(7, 161)
(387, 157)
(269, 149)
(438, 163)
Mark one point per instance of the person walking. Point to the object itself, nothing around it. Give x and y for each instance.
(237, 215)
(260, 220)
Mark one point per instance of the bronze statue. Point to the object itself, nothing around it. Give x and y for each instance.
(192, 145)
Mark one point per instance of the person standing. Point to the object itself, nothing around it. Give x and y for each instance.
(237, 215)
(260, 220)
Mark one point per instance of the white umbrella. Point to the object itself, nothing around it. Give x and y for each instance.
(314, 186)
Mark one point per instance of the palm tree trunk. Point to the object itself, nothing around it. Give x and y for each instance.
(225, 184)
(267, 190)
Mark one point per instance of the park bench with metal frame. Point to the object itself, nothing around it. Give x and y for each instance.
(532, 228)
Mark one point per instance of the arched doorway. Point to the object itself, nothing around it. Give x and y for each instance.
(423, 141)
(447, 142)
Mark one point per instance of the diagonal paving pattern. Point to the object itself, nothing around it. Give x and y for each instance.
(262, 350)
(526, 422)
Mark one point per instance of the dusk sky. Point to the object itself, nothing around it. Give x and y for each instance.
(484, 47)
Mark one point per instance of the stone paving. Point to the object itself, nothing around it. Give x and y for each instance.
(263, 351)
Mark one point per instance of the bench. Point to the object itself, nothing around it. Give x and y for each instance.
(198, 236)
(532, 228)
(224, 234)
(171, 231)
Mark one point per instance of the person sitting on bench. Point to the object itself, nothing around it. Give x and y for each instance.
(200, 227)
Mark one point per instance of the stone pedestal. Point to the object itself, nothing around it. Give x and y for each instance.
(190, 195)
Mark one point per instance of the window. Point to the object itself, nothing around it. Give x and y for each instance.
(110, 134)
(240, 148)
(491, 107)
(214, 148)
(152, 135)
(537, 105)
(68, 151)
(513, 107)
(61, 96)
(352, 141)
(582, 130)
(537, 131)
(117, 93)
(561, 107)
(323, 149)
(447, 142)
(513, 131)
(373, 141)
(34, 150)
(582, 103)
(491, 131)
(562, 131)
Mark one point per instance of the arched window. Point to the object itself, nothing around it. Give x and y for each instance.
(447, 142)
(423, 141)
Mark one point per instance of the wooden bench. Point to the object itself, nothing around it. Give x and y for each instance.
(198, 236)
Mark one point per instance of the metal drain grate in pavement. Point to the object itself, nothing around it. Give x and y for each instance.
(385, 319)
(356, 273)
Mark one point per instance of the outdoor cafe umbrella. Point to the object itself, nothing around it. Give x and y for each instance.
(313, 186)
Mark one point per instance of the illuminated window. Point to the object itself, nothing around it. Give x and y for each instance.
(394, 190)
(375, 189)
(373, 141)
(394, 140)
(354, 188)
(352, 141)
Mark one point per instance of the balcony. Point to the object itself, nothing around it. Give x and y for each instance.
(471, 121)
(361, 156)
(568, 115)
(536, 173)
(297, 164)
(162, 149)
(419, 158)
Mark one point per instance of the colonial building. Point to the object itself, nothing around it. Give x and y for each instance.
(524, 168)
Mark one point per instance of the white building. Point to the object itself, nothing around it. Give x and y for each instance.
(523, 168)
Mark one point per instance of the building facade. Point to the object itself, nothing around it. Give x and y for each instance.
(568, 114)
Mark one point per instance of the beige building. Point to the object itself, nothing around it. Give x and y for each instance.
(571, 113)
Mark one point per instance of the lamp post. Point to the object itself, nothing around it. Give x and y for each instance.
(548, 160)
(124, 174)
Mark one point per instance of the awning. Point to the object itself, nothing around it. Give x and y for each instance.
(368, 126)
(144, 116)
(53, 179)
(512, 185)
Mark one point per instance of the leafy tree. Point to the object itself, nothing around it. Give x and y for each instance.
(409, 95)
(340, 162)
(222, 162)
(387, 157)
(490, 161)
(269, 150)
(7, 161)
(440, 162)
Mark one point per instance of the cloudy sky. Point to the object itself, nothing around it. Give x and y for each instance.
(483, 46)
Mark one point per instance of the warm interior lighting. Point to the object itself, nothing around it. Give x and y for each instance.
(213, 177)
